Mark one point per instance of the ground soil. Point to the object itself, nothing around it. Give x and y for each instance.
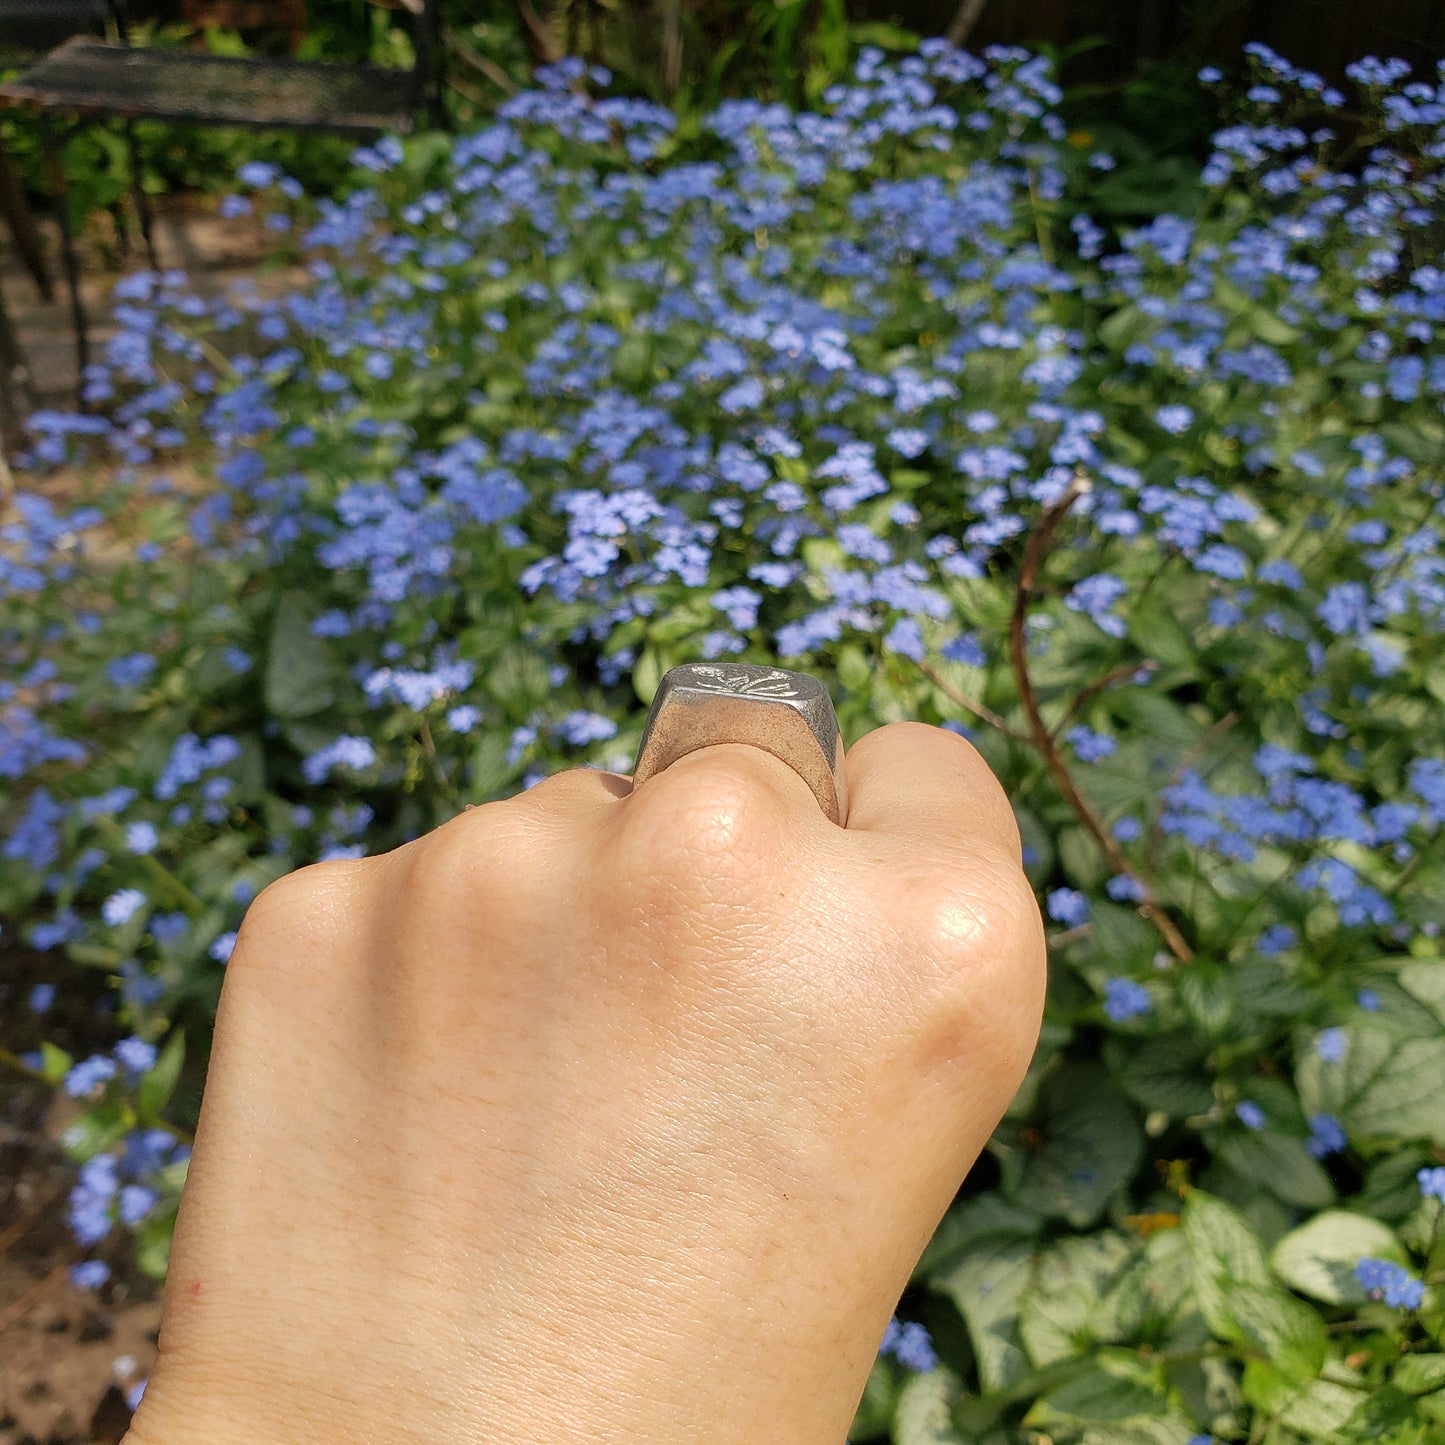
(63, 1350)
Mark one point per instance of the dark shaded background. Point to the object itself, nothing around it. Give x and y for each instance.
(1325, 35)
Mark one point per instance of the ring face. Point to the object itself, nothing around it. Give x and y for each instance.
(787, 714)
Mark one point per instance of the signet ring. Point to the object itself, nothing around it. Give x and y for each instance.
(787, 714)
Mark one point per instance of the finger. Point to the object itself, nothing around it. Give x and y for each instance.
(744, 765)
(927, 783)
(568, 803)
(586, 788)
(555, 815)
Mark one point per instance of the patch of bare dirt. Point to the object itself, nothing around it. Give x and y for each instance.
(66, 1354)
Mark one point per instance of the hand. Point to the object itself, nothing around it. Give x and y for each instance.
(598, 1115)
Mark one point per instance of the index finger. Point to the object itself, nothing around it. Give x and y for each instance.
(924, 782)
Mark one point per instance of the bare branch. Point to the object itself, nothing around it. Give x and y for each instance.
(1035, 554)
(540, 40)
(961, 26)
(969, 705)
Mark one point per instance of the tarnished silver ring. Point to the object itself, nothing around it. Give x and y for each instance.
(787, 714)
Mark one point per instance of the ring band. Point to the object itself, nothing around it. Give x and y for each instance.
(787, 714)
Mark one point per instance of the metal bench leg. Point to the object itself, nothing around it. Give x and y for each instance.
(22, 228)
(54, 165)
(142, 205)
(11, 369)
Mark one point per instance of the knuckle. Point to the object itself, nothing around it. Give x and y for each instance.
(719, 809)
(484, 854)
(980, 990)
(702, 854)
(987, 913)
(302, 909)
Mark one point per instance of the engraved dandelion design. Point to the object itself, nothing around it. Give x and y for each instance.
(722, 679)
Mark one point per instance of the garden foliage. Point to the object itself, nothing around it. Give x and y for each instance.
(1154, 518)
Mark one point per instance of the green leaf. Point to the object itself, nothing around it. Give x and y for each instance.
(1402, 1099)
(1426, 981)
(1385, 1413)
(986, 1286)
(1059, 1311)
(1125, 326)
(1082, 859)
(55, 1063)
(1331, 1087)
(300, 674)
(1171, 1428)
(1159, 636)
(153, 1243)
(1205, 990)
(987, 1216)
(1114, 1387)
(96, 1131)
(855, 672)
(160, 1083)
(924, 1414)
(1316, 1412)
(875, 1409)
(647, 675)
(1319, 1258)
(1156, 717)
(1420, 1374)
(1265, 986)
(1164, 1072)
(518, 679)
(1261, 321)
(1281, 1164)
(490, 771)
(1286, 1331)
(1126, 781)
(1092, 1145)
(1390, 1190)
(1153, 1298)
(1119, 937)
(94, 955)
(1224, 1252)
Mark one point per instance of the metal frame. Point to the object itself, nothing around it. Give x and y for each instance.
(424, 92)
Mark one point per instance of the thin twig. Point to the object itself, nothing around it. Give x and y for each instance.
(1035, 554)
(976, 708)
(32, 1297)
(961, 26)
(14, 1061)
(1087, 694)
(467, 91)
(1156, 831)
(436, 762)
(540, 40)
(1046, 247)
(481, 64)
(672, 45)
(19, 1227)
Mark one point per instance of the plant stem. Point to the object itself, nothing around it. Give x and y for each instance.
(438, 771)
(15, 1062)
(961, 26)
(1035, 554)
(1093, 689)
(978, 709)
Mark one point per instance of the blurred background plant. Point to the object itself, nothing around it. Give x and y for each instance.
(1149, 509)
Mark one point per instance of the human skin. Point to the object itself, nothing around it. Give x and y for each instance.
(600, 1115)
